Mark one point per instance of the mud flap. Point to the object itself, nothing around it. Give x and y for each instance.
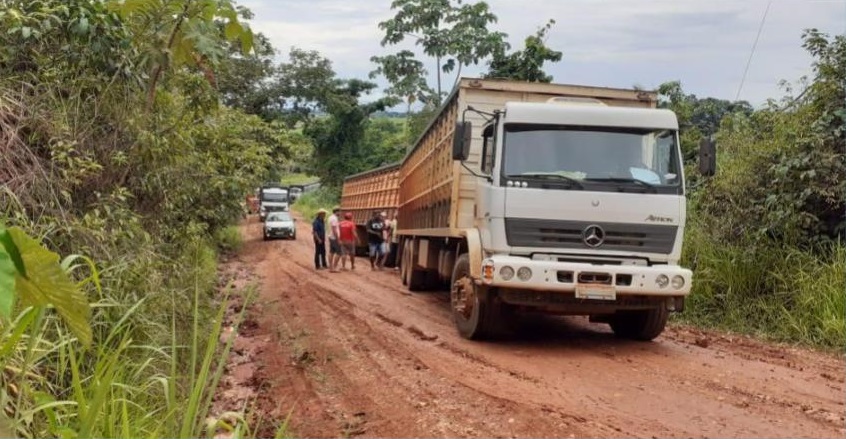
(474, 251)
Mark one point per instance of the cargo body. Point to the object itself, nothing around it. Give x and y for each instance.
(372, 191)
(546, 198)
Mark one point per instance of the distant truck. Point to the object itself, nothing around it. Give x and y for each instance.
(367, 192)
(547, 198)
(272, 198)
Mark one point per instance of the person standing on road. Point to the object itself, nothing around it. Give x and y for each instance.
(334, 240)
(375, 240)
(348, 238)
(386, 238)
(318, 231)
(394, 243)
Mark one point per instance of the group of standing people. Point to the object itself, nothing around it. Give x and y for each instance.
(342, 237)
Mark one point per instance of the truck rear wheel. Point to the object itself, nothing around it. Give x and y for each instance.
(642, 325)
(475, 314)
(415, 280)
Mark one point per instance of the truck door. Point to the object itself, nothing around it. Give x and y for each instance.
(491, 202)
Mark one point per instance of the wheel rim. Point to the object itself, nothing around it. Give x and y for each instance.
(463, 296)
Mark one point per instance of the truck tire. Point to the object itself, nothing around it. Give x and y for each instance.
(476, 314)
(415, 280)
(404, 265)
(642, 325)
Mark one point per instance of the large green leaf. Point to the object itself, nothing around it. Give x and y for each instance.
(8, 244)
(47, 284)
(7, 282)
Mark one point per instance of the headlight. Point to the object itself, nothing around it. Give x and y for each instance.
(662, 280)
(524, 273)
(506, 273)
(678, 282)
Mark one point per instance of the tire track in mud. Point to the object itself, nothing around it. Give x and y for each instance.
(383, 362)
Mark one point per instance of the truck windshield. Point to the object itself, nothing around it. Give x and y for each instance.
(593, 157)
(278, 198)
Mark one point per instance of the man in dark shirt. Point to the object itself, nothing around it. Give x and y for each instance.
(318, 231)
(375, 239)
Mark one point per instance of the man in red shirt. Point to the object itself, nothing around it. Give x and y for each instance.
(348, 239)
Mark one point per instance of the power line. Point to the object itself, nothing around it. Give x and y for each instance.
(754, 46)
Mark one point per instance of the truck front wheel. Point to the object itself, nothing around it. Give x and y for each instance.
(642, 325)
(475, 313)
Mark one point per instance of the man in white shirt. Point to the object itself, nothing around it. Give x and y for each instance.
(335, 252)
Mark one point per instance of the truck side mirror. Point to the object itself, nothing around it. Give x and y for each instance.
(707, 157)
(461, 140)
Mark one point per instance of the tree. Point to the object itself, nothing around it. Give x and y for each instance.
(783, 168)
(177, 33)
(452, 32)
(303, 84)
(406, 75)
(338, 138)
(384, 141)
(526, 64)
(244, 81)
(697, 117)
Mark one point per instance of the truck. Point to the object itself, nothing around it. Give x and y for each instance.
(372, 191)
(272, 197)
(549, 198)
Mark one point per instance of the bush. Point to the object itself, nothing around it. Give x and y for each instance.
(775, 292)
(229, 239)
(765, 235)
(311, 202)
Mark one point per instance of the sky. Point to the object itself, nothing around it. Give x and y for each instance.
(705, 44)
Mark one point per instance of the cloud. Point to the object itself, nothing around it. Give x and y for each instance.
(616, 43)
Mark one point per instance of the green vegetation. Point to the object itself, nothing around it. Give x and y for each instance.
(527, 64)
(229, 239)
(766, 234)
(297, 178)
(113, 146)
(130, 132)
(311, 202)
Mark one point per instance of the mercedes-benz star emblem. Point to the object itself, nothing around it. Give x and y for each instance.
(593, 236)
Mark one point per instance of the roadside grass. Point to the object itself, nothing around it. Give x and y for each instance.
(777, 293)
(229, 239)
(309, 203)
(152, 369)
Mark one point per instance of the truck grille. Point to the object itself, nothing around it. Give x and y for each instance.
(646, 238)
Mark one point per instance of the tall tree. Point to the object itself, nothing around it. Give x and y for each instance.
(453, 32)
(303, 84)
(244, 80)
(526, 64)
(338, 139)
(177, 33)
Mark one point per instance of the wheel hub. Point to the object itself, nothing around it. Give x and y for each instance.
(463, 296)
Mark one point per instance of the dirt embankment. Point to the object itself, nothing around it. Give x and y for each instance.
(355, 354)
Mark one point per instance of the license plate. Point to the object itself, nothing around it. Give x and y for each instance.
(596, 292)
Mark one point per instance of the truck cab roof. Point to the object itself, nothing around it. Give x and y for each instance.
(565, 113)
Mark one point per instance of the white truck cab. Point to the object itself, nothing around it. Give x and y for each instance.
(587, 199)
(272, 200)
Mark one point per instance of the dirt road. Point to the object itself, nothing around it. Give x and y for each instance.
(355, 354)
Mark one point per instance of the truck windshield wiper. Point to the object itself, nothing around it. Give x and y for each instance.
(572, 180)
(625, 180)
